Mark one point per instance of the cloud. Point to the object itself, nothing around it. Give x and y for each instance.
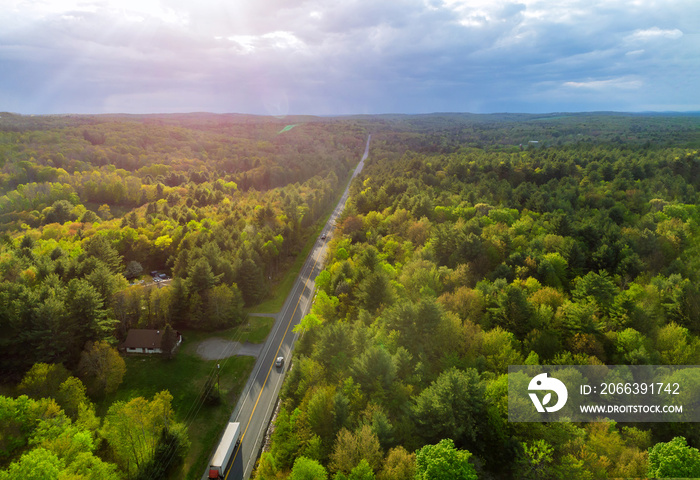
(613, 83)
(654, 33)
(318, 56)
(279, 40)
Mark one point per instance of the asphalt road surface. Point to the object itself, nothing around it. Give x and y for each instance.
(255, 407)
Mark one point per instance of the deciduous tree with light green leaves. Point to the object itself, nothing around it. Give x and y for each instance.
(53, 446)
(674, 459)
(39, 461)
(308, 469)
(399, 465)
(43, 380)
(352, 447)
(444, 462)
(224, 307)
(102, 368)
(362, 471)
(309, 322)
(134, 428)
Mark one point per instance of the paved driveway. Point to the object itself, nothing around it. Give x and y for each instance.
(218, 348)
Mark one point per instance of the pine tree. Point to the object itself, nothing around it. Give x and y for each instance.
(168, 342)
(251, 282)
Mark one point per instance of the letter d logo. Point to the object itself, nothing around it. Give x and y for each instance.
(543, 382)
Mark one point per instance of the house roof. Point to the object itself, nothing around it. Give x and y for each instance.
(143, 338)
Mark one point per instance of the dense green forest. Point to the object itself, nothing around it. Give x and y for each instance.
(468, 246)
(86, 208)
(89, 205)
(470, 243)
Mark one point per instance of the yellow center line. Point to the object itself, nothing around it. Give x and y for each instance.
(270, 370)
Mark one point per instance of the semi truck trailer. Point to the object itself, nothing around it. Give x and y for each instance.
(229, 442)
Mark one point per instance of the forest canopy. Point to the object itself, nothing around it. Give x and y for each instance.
(468, 247)
(89, 205)
(469, 243)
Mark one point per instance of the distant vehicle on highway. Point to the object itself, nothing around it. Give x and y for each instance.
(279, 362)
(323, 237)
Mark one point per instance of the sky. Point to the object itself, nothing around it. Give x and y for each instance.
(338, 57)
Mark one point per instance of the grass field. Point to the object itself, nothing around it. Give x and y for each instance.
(254, 330)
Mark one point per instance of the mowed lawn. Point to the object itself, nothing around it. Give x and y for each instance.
(185, 377)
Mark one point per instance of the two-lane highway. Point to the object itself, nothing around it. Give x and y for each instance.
(256, 405)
